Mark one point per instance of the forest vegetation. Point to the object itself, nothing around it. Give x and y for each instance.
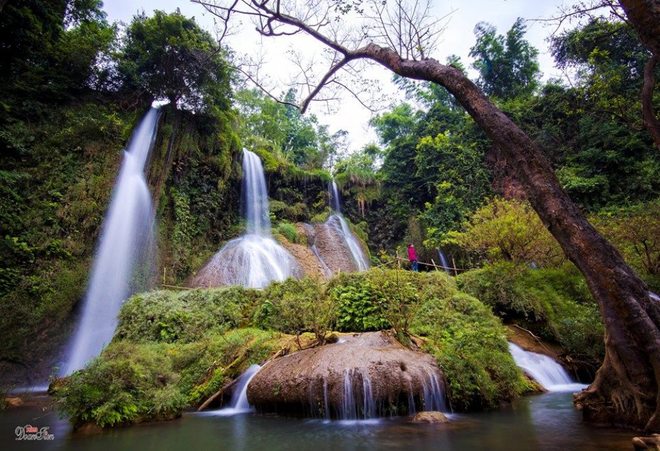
(73, 86)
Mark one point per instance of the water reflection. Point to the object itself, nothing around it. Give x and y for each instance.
(544, 422)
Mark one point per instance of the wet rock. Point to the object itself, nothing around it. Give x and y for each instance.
(14, 402)
(316, 381)
(332, 247)
(430, 417)
(650, 442)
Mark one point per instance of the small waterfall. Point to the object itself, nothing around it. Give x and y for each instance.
(239, 401)
(124, 249)
(359, 257)
(255, 259)
(434, 394)
(357, 403)
(544, 370)
(443, 261)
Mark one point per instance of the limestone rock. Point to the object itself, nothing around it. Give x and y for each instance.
(315, 381)
(14, 402)
(650, 442)
(430, 417)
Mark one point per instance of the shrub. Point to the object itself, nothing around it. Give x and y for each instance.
(288, 230)
(471, 348)
(184, 316)
(132, 382)
(554, 303)
(297, 306)
(507, 230)
(127, 384)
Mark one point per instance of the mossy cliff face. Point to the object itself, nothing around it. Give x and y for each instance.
(56, 189)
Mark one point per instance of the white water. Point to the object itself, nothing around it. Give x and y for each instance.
(434, 397)
(351, 407)
(443, 261)
(359, 257)
(544, 370)
(125, 247)
(255, 259)
(239, 402)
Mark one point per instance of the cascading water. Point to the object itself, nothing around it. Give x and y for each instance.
(443, 261)
(125, 248)
(253, 260)
(543, 370)
(239, 401)
(359, 257)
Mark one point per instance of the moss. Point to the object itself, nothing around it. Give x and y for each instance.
(288, 230)
(184, 316)
(471, 348)
(554, 303)
(134, 382)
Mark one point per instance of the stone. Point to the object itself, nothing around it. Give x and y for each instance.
(14, 402)
(312, 381)
(650, 442)
(430, 417)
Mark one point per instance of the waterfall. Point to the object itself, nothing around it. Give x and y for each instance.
(357, 403)
(255, 259)
(544, 370)
(443, 261)
(434, 395)
(360, 259)
(239, 402)
(125, 248)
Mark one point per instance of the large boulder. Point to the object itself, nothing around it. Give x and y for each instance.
(361, 375)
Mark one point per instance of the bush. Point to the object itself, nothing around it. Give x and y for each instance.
(554, 303)
(297, 306)
(378, 299)
(184, 316)
(288, 230)
(507, 230)
(134, 382)
(127, 384)
(471, 348)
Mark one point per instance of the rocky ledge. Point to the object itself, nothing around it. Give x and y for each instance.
(361, 375)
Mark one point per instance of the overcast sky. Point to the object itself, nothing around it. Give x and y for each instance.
(350, 115)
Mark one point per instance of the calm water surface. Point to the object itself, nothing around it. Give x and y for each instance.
(543, 422)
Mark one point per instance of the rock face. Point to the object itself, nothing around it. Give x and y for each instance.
(430, 417)
(332, 247)
(361, 376)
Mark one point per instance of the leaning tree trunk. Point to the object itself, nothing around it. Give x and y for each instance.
(626, 387)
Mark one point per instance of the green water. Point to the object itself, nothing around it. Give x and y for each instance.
(544, 422)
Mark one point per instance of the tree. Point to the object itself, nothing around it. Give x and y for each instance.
(49, 51)
(507, 65)
(626, 389)
(169, 56)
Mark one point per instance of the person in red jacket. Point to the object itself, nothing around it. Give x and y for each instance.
(412, 256)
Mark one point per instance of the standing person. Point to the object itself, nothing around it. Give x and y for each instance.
(412, 256)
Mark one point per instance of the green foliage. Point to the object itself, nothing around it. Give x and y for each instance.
(635, 231)
(471, 348)
(378, 299)
(127, 384)
(145, 381)
(185, 316)
(280, 127)
(170, 56)
(288, 230)
(554, 303)
(507, 65)
(297, 306)
(507, 230)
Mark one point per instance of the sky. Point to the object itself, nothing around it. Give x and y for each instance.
(349, 114)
